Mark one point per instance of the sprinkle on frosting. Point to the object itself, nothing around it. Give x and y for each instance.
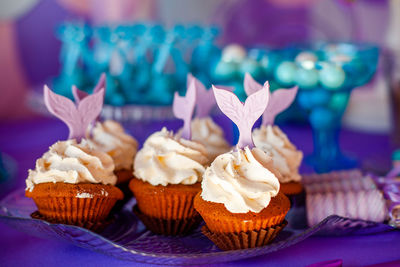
(109, 136)
(73, 163)
(242, 180)
(208, 133)
(169, 159)
(286, 157)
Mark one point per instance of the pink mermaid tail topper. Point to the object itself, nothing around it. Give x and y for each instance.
(79, 94)
(280, 99)
(183, 108)
(243, 115)
(205, 99)
(76, 117)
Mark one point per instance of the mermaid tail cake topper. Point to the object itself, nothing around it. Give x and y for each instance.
(183, 108)
(205, 99)
(76, 117)
(244, 115)
(279, 100)
(79, 94)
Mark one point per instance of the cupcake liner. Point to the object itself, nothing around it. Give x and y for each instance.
(171, 202)
(291, 188)
(71, 210)
(93, 226)
(243, 240)
(168, 226)
(74, 203)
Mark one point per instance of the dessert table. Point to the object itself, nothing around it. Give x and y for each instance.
(28, 139)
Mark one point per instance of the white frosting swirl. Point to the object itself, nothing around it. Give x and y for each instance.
(73, 163)
(206, 132)
(286, 157)
(168, 159)
(110, 137)
(242, 180)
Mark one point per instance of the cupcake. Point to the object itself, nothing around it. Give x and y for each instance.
(109, 136)
(168, 171)
(240, 201)
(74, 184)
(273, 141)
(208, 133)
(286, 157)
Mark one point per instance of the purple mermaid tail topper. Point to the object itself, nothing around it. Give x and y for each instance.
(79, 94)
(183, 108)
(243, 115)
(205, 99)
(279, 100)
(76, 117)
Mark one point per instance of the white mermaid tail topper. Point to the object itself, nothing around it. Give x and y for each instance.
(79, 94)
(76, 117)
(205, 99)
(244, 115)
(279, 100)
(183, 107)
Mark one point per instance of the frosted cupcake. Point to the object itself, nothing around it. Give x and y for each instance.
(110, 137)
(240, 200)
(73, 183)
(286, 157)
(168, 171)
(208, 133)
(273, 141)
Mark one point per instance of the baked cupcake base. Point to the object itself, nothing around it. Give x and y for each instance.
(243, 240)
(75, 204)
(242, 230)
(291, 188)
(220, 220)
(167, 209)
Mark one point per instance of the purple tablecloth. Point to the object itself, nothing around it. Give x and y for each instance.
(25, 141)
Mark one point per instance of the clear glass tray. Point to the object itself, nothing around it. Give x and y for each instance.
(126, 238)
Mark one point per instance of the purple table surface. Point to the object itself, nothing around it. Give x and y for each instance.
(27, 140)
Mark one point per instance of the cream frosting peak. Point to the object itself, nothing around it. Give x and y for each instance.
(208, 133)
(72, 162)
(286, 157)
(168, 159)
(109, 136)
(242, 180)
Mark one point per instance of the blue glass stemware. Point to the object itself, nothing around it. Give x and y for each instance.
(326, 74)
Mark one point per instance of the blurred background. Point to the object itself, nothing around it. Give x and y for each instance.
(147, 47)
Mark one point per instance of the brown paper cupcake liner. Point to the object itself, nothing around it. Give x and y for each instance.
(243, 240)
(123, 176)
(71, 210)
(171, 227)
(172, 202)
(93, 226)
(291, 188)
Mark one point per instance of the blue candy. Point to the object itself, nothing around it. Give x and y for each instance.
(332, 77)
(307, 78)
(286, 73)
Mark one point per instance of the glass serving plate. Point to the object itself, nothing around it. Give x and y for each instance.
(126, 238)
